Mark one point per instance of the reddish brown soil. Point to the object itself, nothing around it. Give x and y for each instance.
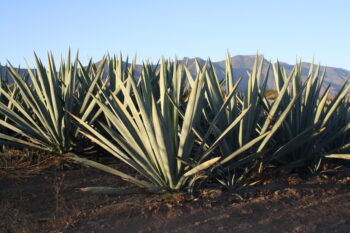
(51, 202)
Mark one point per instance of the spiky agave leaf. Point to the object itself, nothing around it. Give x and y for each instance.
(38, 116)
(224, 108)
(313, 123)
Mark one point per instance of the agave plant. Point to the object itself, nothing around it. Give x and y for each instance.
(337, 144)
(12, 89)
(315, 121)
(250, 139)
(3, 85)
(155, 132)
(37, 107)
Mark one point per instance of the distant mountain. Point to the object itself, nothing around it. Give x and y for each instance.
(243, 63)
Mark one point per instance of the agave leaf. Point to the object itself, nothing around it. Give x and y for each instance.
(276, 104)
(305, 137)
(223, 134)
(194, 103)
(201, 166)
(108, 169)
(217, 116)
(321, 105)
(108, 146)
(18, 142)
(338, 156)
(278, 123)
(243, 148)
(119, 192)
(335, 105)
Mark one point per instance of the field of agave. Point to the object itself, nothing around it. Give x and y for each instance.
(175, 129)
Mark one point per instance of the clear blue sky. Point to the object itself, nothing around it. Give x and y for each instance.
(278, 29)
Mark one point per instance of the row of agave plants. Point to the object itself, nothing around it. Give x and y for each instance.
(175, 129)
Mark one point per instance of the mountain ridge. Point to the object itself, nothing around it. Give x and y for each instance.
(334, 76)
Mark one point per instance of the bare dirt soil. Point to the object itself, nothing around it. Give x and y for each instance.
(50, 201)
